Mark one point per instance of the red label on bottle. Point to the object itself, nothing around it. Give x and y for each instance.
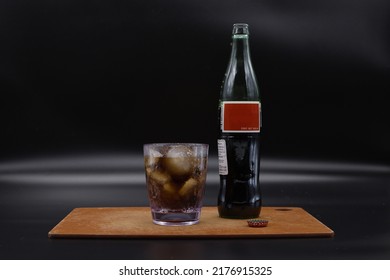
(241, 116)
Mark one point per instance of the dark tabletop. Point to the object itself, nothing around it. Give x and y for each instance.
(36, 193)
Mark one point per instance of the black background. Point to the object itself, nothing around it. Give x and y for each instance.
(112, 75)
(83, 84)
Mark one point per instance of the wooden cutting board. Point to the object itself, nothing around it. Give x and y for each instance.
(136, 222)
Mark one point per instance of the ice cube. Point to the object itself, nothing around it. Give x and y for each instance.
(159, 177)
(155, 153)
(179, 161)
(170, 188)
(179, 151)
(188, 187)
(153, 158)
(169, 196)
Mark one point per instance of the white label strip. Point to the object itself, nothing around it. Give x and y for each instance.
(222, 157)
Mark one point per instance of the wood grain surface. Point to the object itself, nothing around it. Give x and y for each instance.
(136, 222)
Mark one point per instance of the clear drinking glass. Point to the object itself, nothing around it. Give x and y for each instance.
(175, 178)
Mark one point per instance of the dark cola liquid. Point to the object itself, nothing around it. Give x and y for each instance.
(239, 195)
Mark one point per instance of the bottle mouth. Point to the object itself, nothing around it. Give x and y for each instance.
(240, 29)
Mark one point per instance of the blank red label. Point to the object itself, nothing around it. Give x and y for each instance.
(241, 116)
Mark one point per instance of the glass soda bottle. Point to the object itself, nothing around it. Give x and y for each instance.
(239, 138)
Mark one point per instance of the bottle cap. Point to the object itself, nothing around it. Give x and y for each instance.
(257, 223)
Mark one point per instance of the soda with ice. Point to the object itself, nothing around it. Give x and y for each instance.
(175, 177)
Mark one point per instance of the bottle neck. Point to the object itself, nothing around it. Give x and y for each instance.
(240, 50)
(240, 43)
(240, 81)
